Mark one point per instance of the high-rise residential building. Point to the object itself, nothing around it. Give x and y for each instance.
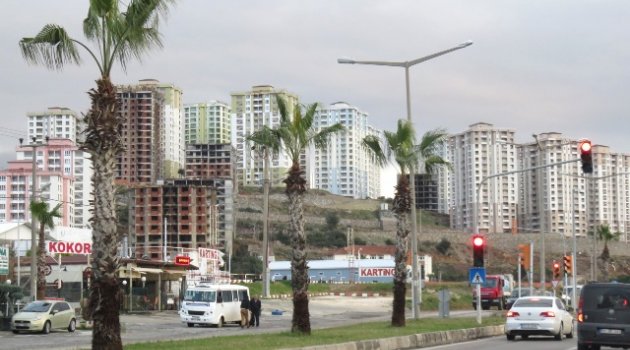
(475, 199)
(179, 214)
(251, 110)
(55, 122)
(152, 132)
(56, 173)
(608, 190)
(547, 201)
(207, 123)
(344, 166)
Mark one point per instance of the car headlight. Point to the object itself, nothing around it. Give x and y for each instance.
(38, 318)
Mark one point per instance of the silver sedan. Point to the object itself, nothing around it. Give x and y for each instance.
(539, 315)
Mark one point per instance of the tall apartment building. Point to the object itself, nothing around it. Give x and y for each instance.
(55, 122)
(552, 198)
(182, 213)
(251, 110)
(489, 203)
(207, 123)
(152, 132)
(608, 190)
(344, 166)
(56, 177)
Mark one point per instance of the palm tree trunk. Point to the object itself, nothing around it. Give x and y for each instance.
(401, 210)
(41, 263)
(296, 186)
(105, 292)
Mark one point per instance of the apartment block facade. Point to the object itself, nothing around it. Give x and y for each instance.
(207, 123)
(475, 202)
(208, 161)
(56, 174)
(344, 167)
(152, 132)
(182, 213)
(55, 122)
(251, 110)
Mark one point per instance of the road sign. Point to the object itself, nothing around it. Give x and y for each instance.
(476, 275)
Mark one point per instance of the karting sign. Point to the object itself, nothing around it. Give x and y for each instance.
(182, 260)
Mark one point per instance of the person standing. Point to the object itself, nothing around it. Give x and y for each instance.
(245, 305)
(255, 306)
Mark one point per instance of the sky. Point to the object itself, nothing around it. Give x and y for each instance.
(535, 66)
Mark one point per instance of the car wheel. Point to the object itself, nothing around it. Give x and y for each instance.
(560, 331)
(15, 331)
(570, 334)
(510, 336)
(220, 323)
(46, 328)
(191, 324)
(72, 326)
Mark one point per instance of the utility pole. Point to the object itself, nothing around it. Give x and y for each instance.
(33, 146)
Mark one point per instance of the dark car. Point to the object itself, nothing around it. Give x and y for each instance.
(515, 295)
(603, 316)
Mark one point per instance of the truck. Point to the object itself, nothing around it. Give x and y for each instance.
(495, 290)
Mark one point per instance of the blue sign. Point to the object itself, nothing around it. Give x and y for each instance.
(477, 275)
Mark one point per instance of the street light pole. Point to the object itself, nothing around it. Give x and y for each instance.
(33, 145)
(415, 290)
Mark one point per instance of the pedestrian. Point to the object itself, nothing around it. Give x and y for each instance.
(255, 306)
(245, 311)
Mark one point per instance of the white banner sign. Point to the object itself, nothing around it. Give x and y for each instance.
(56, 247)
(377, 272)
(4, 260)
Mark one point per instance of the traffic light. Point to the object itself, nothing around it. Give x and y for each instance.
(568, 264)
(524, 252)
(479, 244)
(556, 270)
(586, 156)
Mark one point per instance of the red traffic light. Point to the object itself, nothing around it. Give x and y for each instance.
(478, 241)
(585, 148)
(556, 265)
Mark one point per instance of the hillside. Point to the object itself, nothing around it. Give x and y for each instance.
(450, 249)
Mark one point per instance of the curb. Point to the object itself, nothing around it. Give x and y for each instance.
(414, 341)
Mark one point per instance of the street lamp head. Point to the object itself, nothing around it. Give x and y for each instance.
(21, 140)
(124, 282)
(345, 61)
(468, 43)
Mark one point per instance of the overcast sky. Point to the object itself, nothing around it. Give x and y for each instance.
(535, 66)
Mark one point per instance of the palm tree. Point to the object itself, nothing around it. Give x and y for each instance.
(604, 233)
(295, 134)
(46, 219)
(119, 35)
(265, 141)
(400, 147)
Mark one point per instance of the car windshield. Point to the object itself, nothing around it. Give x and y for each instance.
(533, 302)
(489, 283)
(196, 295)
(38, 306)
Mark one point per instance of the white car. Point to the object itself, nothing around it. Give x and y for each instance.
(538, 315)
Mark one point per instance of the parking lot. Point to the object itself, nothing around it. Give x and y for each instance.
(326, 311)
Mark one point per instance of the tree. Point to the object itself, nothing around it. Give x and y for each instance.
(295, 133)
(400, 148)
(118, 35)
(603, 233)
(46, 219)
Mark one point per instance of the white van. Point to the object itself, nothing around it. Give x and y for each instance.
(212, 304)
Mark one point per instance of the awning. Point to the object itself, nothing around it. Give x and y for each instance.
(147, 270)
(175, 272)
(124, 273)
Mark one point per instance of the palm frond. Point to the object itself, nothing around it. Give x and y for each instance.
(374, 148)
(51, 47)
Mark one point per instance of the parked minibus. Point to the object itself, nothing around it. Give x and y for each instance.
(212, 304)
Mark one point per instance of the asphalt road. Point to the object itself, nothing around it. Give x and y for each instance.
(500, 343)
